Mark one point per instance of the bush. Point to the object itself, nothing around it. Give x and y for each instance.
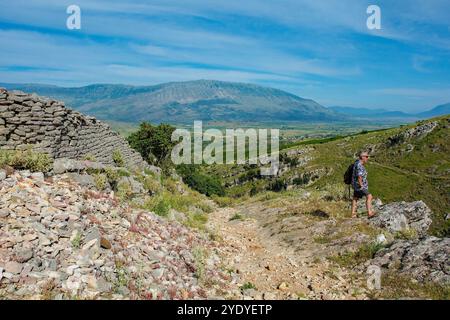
(118, 158)
(162, 207)
(151, 185)
(101, 181)
(26, 160)
(124, 191)
(278, 185)
(204, 184)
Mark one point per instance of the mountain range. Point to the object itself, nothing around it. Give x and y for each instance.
(389, 114)
(206, 100)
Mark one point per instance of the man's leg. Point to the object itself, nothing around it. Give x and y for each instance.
(369, 205)
(354, 203)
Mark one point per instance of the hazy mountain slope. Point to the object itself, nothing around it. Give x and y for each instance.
(437, 111)
(364, 112)
(184, 102)
(389, 114)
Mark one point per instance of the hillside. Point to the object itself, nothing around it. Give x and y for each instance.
(184, 102)
(408, 163)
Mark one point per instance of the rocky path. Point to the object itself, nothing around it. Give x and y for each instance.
(271, 270)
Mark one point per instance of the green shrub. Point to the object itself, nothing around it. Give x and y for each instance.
(151, 184)
(118, 158)
(26, 160)
(200, 255)
(124, 191)
(162, 207)
(101, 181)
(278, 185)
(200, 182)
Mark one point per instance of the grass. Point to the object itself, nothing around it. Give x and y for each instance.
(191, 203)
(26, 160)
(76, 242)
(395, 286)
(247, 286)
(196, 220)
(322, 240)
(118, 158)
(407, 234)
(200, 255)
(236, 216)
(353, 258)
(100, 181)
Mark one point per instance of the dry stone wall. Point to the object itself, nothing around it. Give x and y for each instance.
(50, 127)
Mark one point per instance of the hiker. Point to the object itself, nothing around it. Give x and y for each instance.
(360, 184)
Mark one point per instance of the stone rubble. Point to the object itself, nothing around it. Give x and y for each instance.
(59, 240)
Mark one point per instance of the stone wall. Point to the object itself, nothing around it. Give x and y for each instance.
(27, 119)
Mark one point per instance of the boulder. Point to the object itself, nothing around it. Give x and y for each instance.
(403, 216)
(83, 180)
(424, 260)
(136, 186)
(64, 165)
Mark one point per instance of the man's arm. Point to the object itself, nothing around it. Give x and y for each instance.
(360, 181)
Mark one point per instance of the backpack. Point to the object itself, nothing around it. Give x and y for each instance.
(349, 174)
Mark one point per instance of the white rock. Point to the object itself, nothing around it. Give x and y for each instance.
(2, 175)
(71, 269)
(381, 239)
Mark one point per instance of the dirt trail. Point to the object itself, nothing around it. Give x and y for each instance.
(274, 269)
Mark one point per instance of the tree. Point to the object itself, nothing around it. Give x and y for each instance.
(153, 142)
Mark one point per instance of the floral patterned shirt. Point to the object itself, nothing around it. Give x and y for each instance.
(360, 171)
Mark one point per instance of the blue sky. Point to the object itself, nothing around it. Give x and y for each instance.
(318, 49)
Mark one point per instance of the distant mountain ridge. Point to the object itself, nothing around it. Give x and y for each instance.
(383, 113)
(184, 102)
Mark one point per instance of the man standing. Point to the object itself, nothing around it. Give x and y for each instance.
(361, 185)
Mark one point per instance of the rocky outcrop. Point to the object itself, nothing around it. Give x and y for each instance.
(424, 260)
(416, 132)
(27, 119)
(59, 240)
(402, 216)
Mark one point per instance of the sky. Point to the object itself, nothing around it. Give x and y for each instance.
(317, 49)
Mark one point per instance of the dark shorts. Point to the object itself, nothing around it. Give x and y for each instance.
(360, 194)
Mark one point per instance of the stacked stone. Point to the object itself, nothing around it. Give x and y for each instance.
(27, 119)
